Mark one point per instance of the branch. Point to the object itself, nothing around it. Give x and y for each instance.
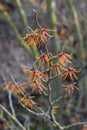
(49, 94)
(68, 126)
(9, 97)
(33, 112)
(13, 117)
(75, 124)
(11, 103)
(16, 84)
(57, 100)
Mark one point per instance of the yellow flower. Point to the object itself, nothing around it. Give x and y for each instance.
(70, 72)
(64, 58)
(54, 109)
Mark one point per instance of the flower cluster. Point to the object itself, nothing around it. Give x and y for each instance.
(27, 101)
(53, 66)
(35, 78)
(19, 90)
(46, 67)
(38, 36)
(58, 65)
(70, 87)
(15, 89)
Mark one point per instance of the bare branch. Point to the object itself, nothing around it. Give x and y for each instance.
(13, 117)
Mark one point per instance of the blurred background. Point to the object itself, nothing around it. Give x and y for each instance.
(69, 20)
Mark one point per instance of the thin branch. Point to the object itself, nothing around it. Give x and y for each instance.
(33, 112)
(36, 18)
(75, 124)
(49, 94)
(13, 117)
(10, 98)
(11, 103)
(57, 123)
(57, 100)
(44, 93)
(30, 29)
(16, 84)
(68, 126)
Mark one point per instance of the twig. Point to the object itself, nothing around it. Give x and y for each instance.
(11, 104)
(10, 98)
(44, 93)
(74, 124)
(49, 94)
(38, 108)
(30, 28)
(33, 112)
(57, 123)
(51, 105)
(36, 19)
(13, 117)
(68, 126)
(57, 100)
(16, 84)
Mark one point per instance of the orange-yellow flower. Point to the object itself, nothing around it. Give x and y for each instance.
(39, 35)
(70, 87)
(14, 89)
(28, 102)
(35, 74)
(36, 85)
(32, 73)
(56, 69)
(32, 39)
(70, 72)
(43, 59)
(43, 34)
(64, 58)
